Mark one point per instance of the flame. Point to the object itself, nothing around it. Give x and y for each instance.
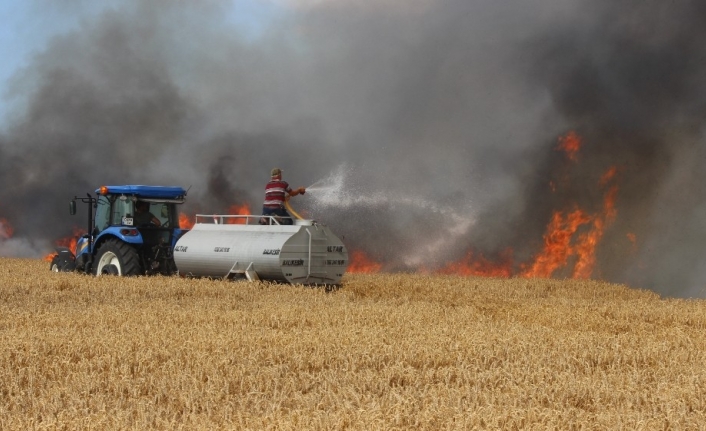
(471, 265)
(69, 242)
(186, 222)
(560, 232)
(632, 238)
(360, 262)
(571, 237)
(6, 230)
(608, 176)
(586, 247)
(570, 144)
(557, 243)
(236, 209)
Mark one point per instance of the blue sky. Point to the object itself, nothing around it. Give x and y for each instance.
(27, 26)
(25, 29)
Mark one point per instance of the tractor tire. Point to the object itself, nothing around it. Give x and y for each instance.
(55, 262)
(115, 257)
(61, 263)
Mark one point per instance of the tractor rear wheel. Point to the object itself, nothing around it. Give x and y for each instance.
(116, 258)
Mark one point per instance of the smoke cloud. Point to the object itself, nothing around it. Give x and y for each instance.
(428, 129)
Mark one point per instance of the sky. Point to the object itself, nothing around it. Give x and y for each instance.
(27, 26)
(432, 128)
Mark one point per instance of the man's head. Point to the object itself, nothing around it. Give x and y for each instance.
(141, 206)
(276, 172)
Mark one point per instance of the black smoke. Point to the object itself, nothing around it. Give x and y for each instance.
(437, 122)
(629, 77)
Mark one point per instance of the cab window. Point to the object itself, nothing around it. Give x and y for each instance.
(121, 208)
(102, 220)
(161, 211)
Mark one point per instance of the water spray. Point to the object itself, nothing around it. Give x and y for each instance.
(342, 190)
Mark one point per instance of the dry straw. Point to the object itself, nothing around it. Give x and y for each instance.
(384, 352)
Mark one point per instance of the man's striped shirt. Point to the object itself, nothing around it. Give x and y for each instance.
(275, 192)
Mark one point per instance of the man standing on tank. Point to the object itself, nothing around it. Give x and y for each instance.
(276, 192)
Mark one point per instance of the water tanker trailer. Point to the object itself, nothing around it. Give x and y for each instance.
(229, 246)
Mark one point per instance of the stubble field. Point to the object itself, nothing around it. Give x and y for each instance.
(393, 351)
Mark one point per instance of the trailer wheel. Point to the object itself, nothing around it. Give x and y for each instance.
(116, 258)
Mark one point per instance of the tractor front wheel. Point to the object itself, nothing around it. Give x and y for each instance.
(116, 258)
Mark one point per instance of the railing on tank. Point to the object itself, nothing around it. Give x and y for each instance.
(238, 219)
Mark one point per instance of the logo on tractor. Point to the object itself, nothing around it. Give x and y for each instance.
(272, 251)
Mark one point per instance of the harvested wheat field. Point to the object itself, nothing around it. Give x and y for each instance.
(384, 352)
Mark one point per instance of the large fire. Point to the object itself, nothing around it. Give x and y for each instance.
(570, 240)
(571, 236)
(561, 240)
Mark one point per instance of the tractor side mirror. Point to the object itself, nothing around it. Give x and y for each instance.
(72, 207)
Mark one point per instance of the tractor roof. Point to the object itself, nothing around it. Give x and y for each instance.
(157, 192)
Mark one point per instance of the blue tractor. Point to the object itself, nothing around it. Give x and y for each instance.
(132, 231)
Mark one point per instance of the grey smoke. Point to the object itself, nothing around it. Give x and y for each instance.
(445, 115)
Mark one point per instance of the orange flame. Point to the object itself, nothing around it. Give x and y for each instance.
(238, 210)
(68, 242)
(6, 230)
(608, 176)
(480, 266)
(570, 144)
(360, 262)
(557, 243)
(632, 238)
(558, 240)
(186, 222)
(586, 247)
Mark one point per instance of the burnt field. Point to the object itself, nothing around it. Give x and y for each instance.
(386, 351)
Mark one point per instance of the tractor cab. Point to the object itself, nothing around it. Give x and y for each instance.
(150, 219)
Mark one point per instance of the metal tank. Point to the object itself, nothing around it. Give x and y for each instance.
(226, 246)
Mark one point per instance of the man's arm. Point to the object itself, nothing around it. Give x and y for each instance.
(155, 220)
(299, 191)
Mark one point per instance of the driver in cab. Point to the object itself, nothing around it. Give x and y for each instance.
(143, 216)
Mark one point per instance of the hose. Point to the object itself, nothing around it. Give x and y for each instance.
(291, 211)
